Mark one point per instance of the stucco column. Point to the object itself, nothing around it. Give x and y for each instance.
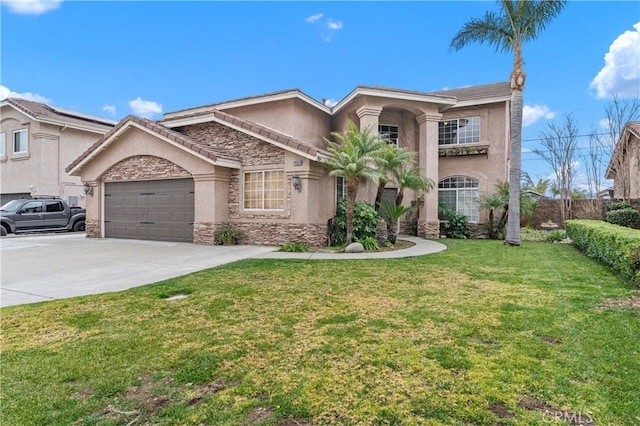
(428, 223)
(305, 205)
(210, 204)
(369, 119)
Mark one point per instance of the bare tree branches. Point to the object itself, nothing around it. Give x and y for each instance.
(560, 142)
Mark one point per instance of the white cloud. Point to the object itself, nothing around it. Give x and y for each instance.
(334, 25)
(111, 109)
(531, 114)
(145, 108)
(526, 150)
(330, 102)
(5, 93)
(314, 18)
(31, 7)
(605, 123)
(621, 72)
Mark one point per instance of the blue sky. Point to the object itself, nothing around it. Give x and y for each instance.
(116, 58)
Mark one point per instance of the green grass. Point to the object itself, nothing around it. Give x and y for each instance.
(432, 340)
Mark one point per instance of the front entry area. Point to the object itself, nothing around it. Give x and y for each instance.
(159, 210)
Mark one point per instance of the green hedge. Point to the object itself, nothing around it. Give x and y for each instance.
(617, 246)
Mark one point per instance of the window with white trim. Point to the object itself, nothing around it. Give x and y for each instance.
(341, 189)
(459, 131)
(264, 190)
(389, 132)
(462, 195)
(3, 146)
(20, 141)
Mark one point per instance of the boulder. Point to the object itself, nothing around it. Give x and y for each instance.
(354, 248)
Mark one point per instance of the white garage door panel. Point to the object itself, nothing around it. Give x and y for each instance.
(150, 210)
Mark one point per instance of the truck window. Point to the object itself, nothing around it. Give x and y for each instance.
(32, 207)
(53, 206)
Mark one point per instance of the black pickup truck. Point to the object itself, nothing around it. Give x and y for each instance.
(41, 214)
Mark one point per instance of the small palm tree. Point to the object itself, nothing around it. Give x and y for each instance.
(491, 203)
(517, 21)
(391, 212)
(395, 158)
(356, 156)
(410, 177)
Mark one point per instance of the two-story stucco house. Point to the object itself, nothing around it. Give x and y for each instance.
(37, 142)
(624, 165)
(256, 163)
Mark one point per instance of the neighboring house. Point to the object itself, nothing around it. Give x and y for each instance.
(37, 142)
(624, 165)
(256, 163)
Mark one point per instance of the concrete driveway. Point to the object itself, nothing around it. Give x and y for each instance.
(38, 268)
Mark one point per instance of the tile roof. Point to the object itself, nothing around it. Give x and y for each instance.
(409, 92)
(40, 111)
(473, 93)
(190, 144)
(634, 126)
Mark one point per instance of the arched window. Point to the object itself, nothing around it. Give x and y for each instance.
(461, 194)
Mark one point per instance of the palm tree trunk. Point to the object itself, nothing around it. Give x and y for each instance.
(515, 148)
(400, 197)
(381, 184)
(352, 193)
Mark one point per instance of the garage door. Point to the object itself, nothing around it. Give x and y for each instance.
(159, 210)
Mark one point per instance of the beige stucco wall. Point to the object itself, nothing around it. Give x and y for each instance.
(51, 148)
(630, 172)
(292, 117)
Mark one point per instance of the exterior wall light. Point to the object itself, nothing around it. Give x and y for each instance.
(296, 182)
(88, 189)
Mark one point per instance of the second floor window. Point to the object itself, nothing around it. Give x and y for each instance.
(389, 132)
(459, 131)
(20, 141)
(3, 149)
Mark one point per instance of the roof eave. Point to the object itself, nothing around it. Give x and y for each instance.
(390, 94)
(173, 116)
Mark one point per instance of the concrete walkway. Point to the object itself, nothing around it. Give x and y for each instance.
(420, 248)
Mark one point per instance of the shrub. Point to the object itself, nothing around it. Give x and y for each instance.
(457, 226)
(618, 205)
(294, 247)
(365, 220)
(227, 234)
(627, 216)
(370, 244)
(556, 236)
(614, 245)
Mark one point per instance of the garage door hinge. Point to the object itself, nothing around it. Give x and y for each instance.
(147, 223)
(147, 193)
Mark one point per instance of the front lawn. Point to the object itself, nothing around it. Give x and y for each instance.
(478, 334)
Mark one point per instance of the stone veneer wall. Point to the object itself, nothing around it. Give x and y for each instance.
(92, 228)
(267, 233)
(272, 233)
(143, 167)
(429, 228)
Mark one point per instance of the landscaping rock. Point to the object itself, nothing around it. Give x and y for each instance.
(354, 248)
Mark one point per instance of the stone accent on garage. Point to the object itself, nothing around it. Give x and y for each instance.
(251, 151)
(92, 228)
(143, 167)
(429, 228)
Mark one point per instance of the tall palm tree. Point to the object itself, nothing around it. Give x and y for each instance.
(517, 22)
(395, 158)
(356, 156)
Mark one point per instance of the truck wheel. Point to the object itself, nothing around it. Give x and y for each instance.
(3, 231)
(79, 226)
